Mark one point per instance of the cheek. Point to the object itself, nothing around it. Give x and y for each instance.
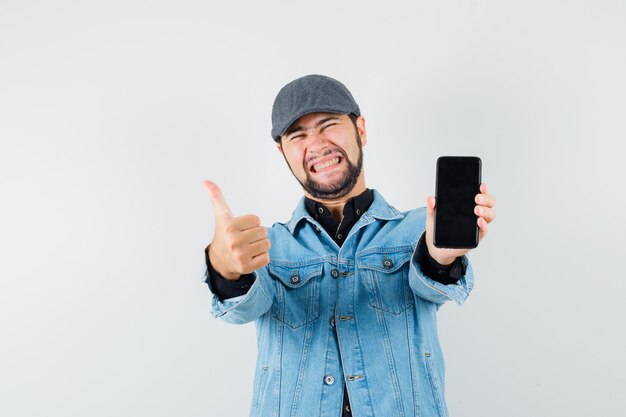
(353, 152)
(294, 158)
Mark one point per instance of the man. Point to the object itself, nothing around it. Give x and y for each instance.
(345, 294)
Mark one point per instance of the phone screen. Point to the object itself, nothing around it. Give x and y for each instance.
(458, 182)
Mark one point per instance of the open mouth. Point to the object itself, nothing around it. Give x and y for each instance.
(326, 165)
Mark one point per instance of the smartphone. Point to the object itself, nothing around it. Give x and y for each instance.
(458, 182)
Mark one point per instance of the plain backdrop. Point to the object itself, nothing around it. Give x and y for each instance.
(113, 112)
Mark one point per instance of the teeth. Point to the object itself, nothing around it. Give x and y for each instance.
(319, 167)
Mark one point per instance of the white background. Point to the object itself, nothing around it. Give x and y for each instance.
(112, 113)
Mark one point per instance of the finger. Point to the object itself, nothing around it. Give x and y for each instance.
(217, 199)
(483, 188)
(260, 261)
(255, 234)
(259, 248)
(485, 200)
(486, 213)
(245, 222)
(483, 228)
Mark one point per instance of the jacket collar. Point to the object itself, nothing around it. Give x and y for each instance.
(379, 210)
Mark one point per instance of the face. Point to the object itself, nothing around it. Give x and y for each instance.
(323, 151)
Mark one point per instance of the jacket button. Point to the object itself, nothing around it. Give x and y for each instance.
(332, 322)
(387, 263)
(295, 279)
(334, 273)
(329, 380)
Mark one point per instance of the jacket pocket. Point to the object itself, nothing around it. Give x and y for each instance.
(435, 385)
(259, 389)
(298, 296)
(386, 277)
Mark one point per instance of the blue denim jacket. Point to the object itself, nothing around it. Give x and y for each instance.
(362, 314)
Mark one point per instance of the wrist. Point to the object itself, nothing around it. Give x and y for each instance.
(217, 268)
(439, 256)
(227, 275)
(443, 260)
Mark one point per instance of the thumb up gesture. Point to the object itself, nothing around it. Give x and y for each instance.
(240, 244)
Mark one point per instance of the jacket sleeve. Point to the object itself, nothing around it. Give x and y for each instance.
(247, 307)
(434, 291)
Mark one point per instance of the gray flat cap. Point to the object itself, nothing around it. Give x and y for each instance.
(310, 94)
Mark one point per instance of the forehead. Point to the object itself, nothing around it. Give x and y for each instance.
(312, 119)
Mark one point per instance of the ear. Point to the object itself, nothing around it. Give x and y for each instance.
(360, 127)
(280, 148)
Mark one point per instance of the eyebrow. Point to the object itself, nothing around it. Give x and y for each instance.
(298, 128)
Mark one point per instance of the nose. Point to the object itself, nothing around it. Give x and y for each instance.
(317, 143)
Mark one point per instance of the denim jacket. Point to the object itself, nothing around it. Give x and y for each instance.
(363, 314)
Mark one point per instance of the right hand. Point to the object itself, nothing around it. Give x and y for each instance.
(240, 244)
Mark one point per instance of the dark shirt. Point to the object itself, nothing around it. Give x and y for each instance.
(352, 212)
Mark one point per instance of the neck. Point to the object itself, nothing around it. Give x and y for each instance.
(336, 205)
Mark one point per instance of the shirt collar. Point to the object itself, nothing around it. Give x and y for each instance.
(355, 207)
(379, 209)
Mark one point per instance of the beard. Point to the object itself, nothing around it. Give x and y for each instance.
(342, 186)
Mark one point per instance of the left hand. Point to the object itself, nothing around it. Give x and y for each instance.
(485, 212)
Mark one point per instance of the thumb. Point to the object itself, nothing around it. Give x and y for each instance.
(430, 204)
(220, 206)
(430, 213)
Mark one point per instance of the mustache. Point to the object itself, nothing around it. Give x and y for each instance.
(326, 152)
